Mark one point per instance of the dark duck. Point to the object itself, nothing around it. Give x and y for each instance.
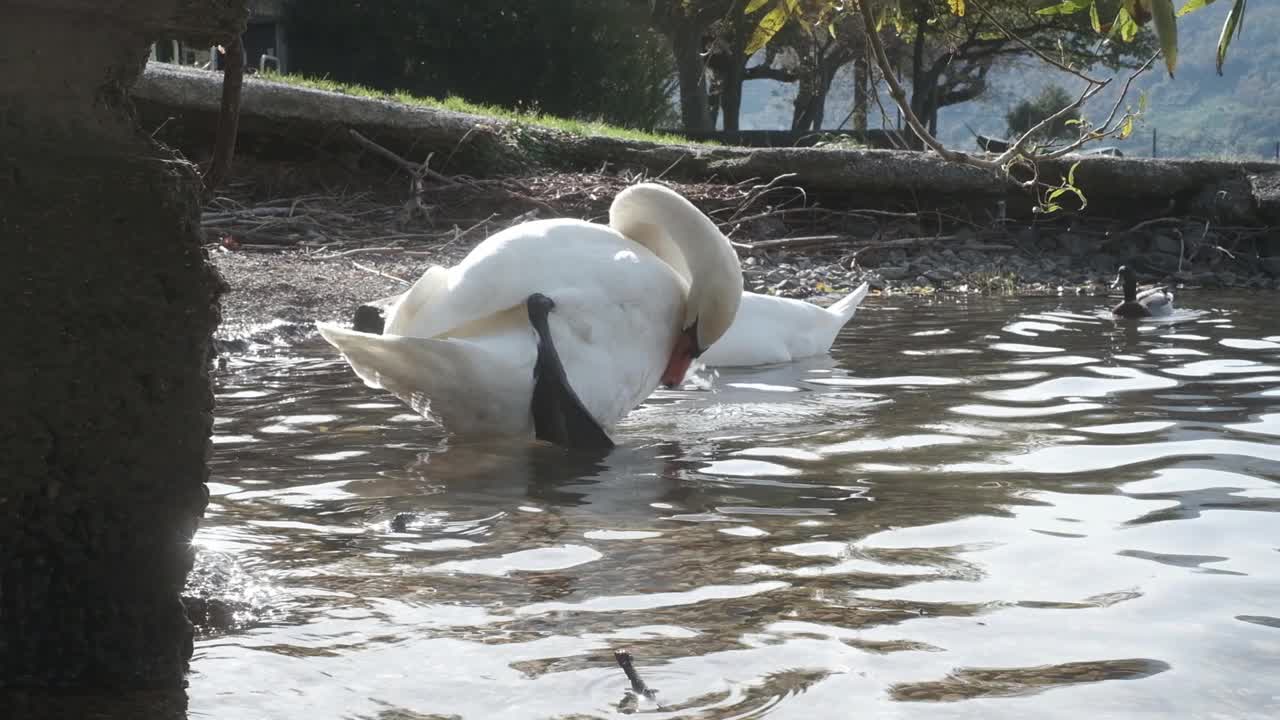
(1156, 301)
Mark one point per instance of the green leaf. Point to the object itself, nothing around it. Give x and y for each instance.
(1066, 7)
(957, 7)
(1231, 27)
(1125, 26)
(1142, 101)
(1071, 174)
(1126, 127)
(1192, 6)
(770, 24)
(1093, 18)
(1056, 194)
(754, 5)
(1167, 31)
(1072, 121)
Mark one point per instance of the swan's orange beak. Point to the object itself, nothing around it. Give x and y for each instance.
(682, 355)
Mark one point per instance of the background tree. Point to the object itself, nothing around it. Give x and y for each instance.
(1127, 20)
(1033, 112)
(575, 58)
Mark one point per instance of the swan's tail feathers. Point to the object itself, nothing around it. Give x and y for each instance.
(444, 375)
(845, 307)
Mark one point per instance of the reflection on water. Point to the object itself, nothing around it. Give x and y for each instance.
(983, 509)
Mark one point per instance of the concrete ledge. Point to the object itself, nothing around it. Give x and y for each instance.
(277, 117)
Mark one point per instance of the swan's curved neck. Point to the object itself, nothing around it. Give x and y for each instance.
(678, 233)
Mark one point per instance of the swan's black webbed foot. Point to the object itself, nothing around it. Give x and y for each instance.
(558, 415)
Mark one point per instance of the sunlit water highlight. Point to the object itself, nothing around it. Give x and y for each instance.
(975, 509)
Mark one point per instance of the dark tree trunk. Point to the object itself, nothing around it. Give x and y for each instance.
(106, 412)
(861, 81)
(731, 94)
(686, 44)
(921, 86)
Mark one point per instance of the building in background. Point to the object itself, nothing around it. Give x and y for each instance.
(265, 43)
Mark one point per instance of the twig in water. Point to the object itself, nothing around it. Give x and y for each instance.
(637, 685)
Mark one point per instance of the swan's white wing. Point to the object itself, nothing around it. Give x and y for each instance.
(472, 386)
(544, 256)
(618, 310)
(771, 329)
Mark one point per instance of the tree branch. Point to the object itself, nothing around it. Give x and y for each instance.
(224, 143)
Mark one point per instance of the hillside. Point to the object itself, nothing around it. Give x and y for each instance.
(1197, 114)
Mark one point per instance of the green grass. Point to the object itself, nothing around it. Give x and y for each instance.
(529, 117)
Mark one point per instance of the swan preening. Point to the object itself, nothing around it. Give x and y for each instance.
(1153, 302)
(557, 328)
(766, 330)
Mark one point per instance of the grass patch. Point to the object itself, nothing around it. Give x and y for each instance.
(529, 117)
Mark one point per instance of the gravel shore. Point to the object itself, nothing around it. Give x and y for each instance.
(323, 260)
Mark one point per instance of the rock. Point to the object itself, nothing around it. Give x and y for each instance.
(1104, 263)
(1265, 191)
(1231, 201)
(1166, 244)
(893, 272)
(1162, 262)
(939, 275)
(1075, 245)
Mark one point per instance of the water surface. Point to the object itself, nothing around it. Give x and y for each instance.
(972, 509)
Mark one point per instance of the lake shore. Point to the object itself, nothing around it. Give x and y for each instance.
(292, 261)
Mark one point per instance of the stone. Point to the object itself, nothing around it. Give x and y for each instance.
(1264, 188)
(893, 272)
(1104, 263)
(939, 275)
(1166, 244)
(1075, 245)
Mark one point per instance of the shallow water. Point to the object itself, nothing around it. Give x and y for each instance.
(972, 509)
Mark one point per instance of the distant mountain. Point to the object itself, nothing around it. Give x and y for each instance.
(1196, 114)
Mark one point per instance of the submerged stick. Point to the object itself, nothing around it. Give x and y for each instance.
(637, 684)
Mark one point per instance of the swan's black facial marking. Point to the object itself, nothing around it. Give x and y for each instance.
(692, 330)
(558, 415)
(368, 319)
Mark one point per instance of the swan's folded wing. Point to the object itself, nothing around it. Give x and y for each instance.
(551, 257)
(471, 387)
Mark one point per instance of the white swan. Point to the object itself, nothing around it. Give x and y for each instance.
(557, 328)
(771, 329)
(766, 330)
